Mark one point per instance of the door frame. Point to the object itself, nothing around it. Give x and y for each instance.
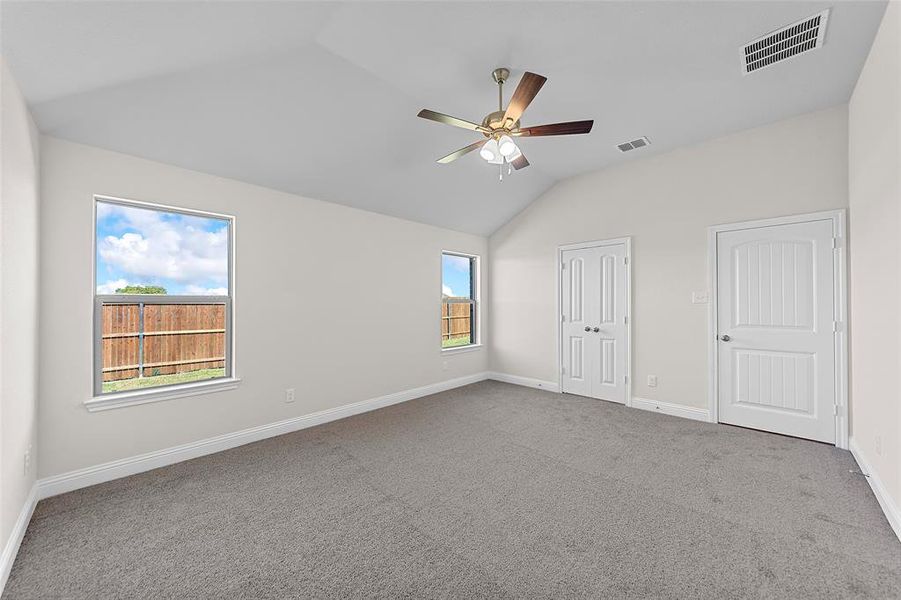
(840, 309)
(627, 241)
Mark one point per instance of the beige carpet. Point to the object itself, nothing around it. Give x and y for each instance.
(487, 491)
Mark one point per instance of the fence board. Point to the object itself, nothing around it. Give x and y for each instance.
(177, 338)
(456, 320)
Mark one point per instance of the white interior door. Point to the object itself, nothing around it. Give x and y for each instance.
(775, 347)
(594, 322)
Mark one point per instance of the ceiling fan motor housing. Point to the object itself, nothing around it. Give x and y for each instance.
(495, 122)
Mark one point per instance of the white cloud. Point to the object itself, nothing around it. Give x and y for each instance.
(445, 289)
(179, 248)
(458, 263)
(199, 290)
(110, 287)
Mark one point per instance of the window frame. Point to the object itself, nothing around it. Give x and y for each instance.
(475, 289)
(101, 400)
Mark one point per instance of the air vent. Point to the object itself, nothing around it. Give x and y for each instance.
(640, 142)
(791, 40)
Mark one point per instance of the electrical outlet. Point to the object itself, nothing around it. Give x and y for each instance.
(878, 443)
(27, 460)
(289, 395)
(700, 297)
(652, 381)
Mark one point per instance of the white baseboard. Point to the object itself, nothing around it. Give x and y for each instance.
(889, 507)
(11, 548)
(551, 386)
(668, 408)
(73, 480)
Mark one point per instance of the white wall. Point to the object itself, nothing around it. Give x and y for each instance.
(666, 202)
(874, 158)
(339, 303)
(18, 300)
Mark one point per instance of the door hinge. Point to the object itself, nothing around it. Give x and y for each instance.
(836, 326)
(836, 242)
(563, 370)
(837, 410)
(625, 379)
(563, 318)
(626, 319)
(562, 266)
(625, 260)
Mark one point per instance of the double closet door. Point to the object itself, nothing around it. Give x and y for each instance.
(594, 321)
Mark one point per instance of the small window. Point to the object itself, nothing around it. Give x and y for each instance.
(162, 296)
(459, 300)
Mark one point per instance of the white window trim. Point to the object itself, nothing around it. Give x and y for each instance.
(158, 394)
(476, 284)
(462, 349)
(100, 401)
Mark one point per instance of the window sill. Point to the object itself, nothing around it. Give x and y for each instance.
(461, 349)
(132, 398)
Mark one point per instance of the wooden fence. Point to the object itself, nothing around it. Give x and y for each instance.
(175, 338)
(456, 320)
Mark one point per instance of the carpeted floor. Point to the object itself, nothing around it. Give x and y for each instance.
(487, 491)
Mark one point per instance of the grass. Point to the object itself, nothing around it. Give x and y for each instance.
(137, 383)
(456, 342)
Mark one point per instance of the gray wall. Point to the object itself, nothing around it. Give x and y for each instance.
(18, 301)
(666, 202)
(875, 196)
(339, 303)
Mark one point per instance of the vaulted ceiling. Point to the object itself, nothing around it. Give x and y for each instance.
(320, 99)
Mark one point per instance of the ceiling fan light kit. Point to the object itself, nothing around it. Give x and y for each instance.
(502, 126)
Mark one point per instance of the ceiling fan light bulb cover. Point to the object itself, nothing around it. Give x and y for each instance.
(507, 147)
(490, 151)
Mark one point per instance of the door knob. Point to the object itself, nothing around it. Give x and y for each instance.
(725, 338)
(596, 329)
(587, 328)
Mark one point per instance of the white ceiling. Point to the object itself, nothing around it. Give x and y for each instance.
(321, 99)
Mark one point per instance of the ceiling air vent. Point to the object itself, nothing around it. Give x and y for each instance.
(640, 142)
(791, 40)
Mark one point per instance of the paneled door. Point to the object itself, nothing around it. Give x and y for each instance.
(776, 360)
(594, 327)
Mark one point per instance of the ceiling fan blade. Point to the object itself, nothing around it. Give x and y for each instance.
(520, 162)
(431, 115)
(525, 92)
(570, 128)
(457, 154)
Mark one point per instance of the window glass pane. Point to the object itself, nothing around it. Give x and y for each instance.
(456, 276)
(457, 308)
(148, 251)
(149, 345)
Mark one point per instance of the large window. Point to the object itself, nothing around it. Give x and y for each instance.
(459, 300)
(162, 296)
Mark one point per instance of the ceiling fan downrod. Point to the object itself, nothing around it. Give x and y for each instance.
(500, 75)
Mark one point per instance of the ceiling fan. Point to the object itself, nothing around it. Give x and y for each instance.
(501, 126)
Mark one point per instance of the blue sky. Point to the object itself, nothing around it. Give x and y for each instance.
(455, 279)
(137, 246)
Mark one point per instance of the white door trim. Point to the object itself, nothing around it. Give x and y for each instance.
(627, 241)
(840, 261)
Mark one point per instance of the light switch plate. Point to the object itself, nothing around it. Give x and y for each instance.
(700, 297)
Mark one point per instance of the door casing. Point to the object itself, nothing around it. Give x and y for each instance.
(840, 316)
(627, 241)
